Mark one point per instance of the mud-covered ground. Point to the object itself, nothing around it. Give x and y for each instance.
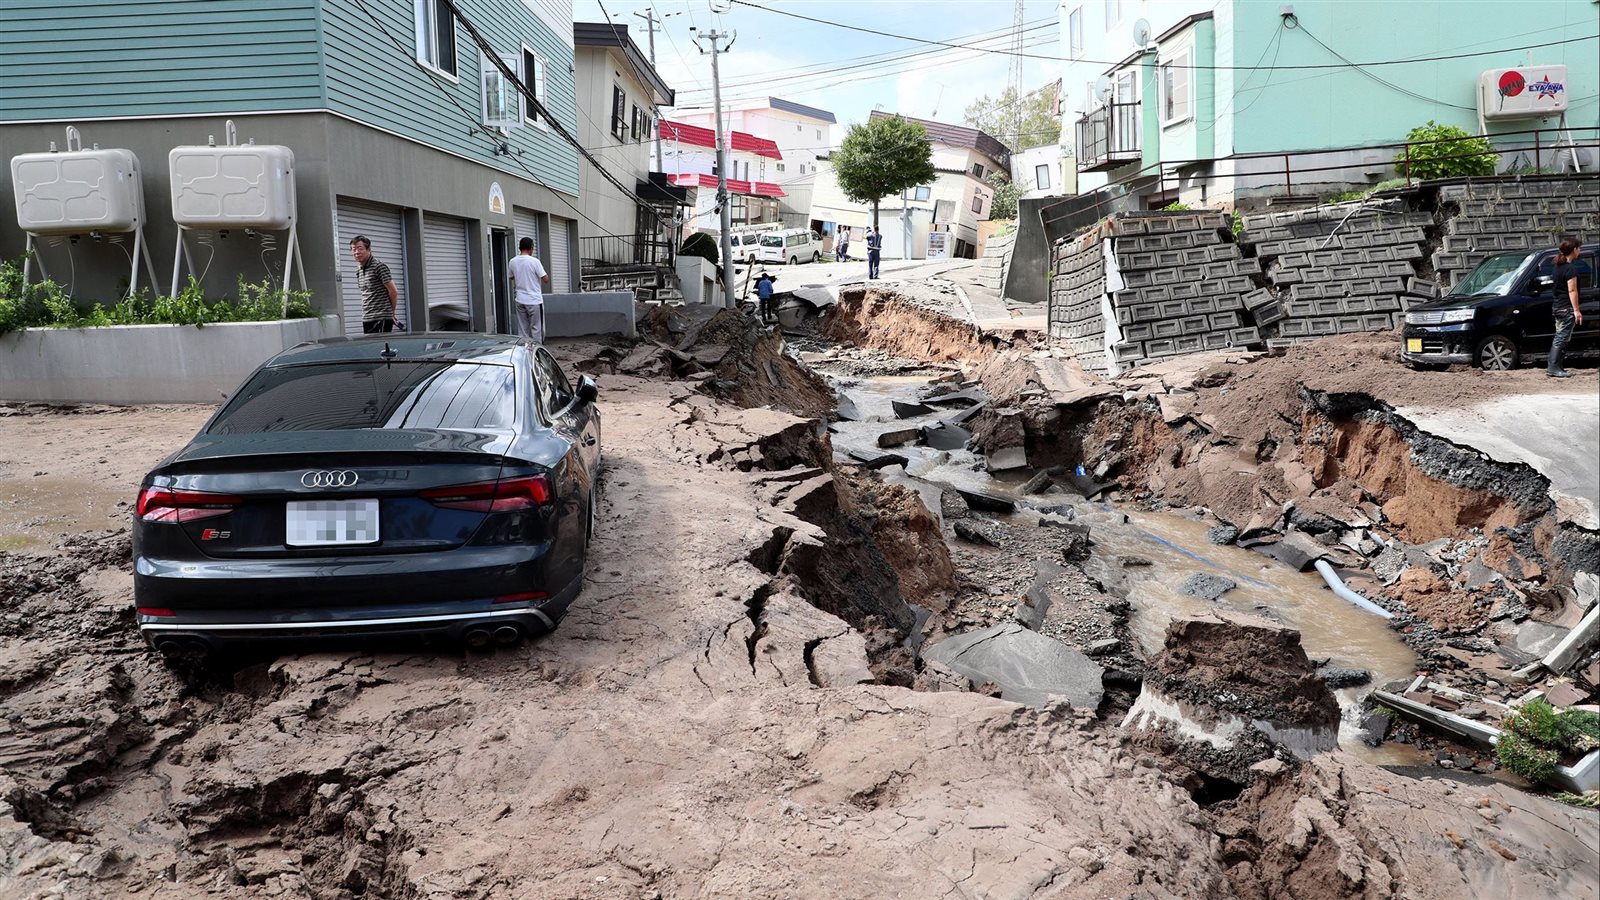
(704, 723)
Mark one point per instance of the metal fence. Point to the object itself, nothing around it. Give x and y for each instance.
(1108, 136)
(624, 250)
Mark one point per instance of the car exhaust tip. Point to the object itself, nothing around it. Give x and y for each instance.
(477, 638)
(507, 635)
(170, 649)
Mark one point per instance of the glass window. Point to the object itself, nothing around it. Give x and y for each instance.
(357, 395)
(771, 240)
(977, 170)
(1041, 177)
(1175, 89)
(500, 108)
(554, 387)
(1075, 33)
(977, 202)
(1494, 275)
(532, 74)
(619, 105)
(923, 192)
(436, 35)
(1113, 13)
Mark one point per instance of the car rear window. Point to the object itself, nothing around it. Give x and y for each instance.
(353, 395)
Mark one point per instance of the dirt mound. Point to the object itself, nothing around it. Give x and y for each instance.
(908, 534)
(885, 320)
(1255, 669)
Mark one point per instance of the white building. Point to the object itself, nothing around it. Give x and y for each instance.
(689, 156)
(1045, 171)
(802, 134)
(956, 201)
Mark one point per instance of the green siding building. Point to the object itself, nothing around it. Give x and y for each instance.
(382, 101)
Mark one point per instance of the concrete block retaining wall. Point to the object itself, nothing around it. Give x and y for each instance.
(1480, 219)
(144, 363)
(996, 261)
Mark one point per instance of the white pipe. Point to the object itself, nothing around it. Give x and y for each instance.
(1336, 584)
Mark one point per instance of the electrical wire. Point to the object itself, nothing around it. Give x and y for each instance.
(1387, 62)
(1292, 21)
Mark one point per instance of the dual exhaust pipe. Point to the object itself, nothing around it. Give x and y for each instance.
(481, 636)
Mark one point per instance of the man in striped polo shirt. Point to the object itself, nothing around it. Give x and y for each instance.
(378, 293)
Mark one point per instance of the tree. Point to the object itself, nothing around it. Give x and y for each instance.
(884, 157)
(1457, 153)
(997, 117)
(1006, 194)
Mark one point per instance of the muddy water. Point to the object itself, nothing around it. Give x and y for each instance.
(1176, 547)
(36, 512)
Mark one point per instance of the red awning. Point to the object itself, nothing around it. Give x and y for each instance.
(735, 186)
(699, 136)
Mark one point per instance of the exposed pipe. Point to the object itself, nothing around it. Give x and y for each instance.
(1337, 585)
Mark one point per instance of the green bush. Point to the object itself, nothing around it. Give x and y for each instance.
(1536, 735)
(1347, 196)
(45, 305)
(1526, 758)
(1388, 184)
(702, 245)
(1458, 154)
(1175, 206)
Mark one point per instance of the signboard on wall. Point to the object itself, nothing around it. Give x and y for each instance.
(1523, 92)
(939, 245)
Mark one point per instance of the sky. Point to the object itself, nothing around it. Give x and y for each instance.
(775, 55)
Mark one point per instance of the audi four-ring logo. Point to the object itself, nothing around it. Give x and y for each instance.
(322, 478)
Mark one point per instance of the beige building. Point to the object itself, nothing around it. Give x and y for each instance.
(619, 93)
(802, 134)
(955, 201)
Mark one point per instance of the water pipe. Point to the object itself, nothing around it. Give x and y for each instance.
(1337, 585)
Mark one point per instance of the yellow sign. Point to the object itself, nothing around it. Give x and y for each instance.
(1413, 345)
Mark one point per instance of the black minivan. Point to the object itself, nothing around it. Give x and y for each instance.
(1499, 315)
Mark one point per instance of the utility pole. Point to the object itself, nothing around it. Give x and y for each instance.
(713, 37)
(652, 25)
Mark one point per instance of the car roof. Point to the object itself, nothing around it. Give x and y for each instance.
(443, 346)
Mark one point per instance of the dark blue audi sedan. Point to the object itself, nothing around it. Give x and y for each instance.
(427, 484)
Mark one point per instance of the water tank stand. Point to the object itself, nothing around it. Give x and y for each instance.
(291, 262)
(141, 249)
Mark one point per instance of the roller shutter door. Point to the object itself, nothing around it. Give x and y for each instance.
(381, 225)
(560, 255)
(527, 225)
(444, 247)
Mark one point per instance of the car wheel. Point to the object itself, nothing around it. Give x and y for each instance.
(816, 257)
(1497, 353)
(794, 261)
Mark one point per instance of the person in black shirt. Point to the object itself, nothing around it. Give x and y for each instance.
(1564, 305)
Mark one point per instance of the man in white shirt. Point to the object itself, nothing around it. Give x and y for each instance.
(527, 274)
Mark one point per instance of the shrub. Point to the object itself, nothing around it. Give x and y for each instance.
(1458, 153)
(1347, 196)
(1535, 736)
(702, 245)
(1388, 184)
(1525, 758)
(1175, 206)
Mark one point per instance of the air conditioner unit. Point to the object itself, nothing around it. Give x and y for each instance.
(1523, 92)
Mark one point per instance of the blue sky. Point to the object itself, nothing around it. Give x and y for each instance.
(800, 61)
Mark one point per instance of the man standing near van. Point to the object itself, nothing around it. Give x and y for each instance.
(527, 276)
(376, 286)
(874, 249)
(1564, 305)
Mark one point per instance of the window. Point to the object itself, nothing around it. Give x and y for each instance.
(555, 392)
(977, 171)
(436, 36)
(977, 202)
(923, 192)
(1075, 33)
(819, 134)
(1041, 177)
(366, 395)
(780, 167)
(636, 125)
(532, 74)
(1175, 103)
(619, 105)
(1113, 13)
(499, 104)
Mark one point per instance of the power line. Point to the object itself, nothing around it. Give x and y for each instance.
(1386, 62)
(1362, 69)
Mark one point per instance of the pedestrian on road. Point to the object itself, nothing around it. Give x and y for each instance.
(378, 294)
(527, 276)
(764, 293)
(1564, 305)
(874, 248)
(841, 253)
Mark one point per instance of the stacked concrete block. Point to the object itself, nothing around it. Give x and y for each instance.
(996, 260)
(1184, 283)
(1336, 269)
(1077, 294)
(1480, 219)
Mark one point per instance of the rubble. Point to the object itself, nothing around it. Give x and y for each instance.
(1207, 586)
(1029, 668)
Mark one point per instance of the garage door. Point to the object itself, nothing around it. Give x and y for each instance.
(527, 225)
(381, 225)
(444, 247)
(560, 255)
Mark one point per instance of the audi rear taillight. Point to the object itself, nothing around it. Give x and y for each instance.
(505, 495)
(159, 504)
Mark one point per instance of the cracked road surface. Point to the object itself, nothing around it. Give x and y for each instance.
(671, 739)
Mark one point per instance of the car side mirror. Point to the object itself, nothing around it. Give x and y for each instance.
(1542, 283)
(587, 390)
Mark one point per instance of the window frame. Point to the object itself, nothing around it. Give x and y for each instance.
(1075, 34)
(425, 18)
(511, 113)
(1182, 62)
(977, 202)
(619, 105)
(922, 193)
(1042, 184)
(535, 83)
(1113, 13)
(977, 171)
(537, 369)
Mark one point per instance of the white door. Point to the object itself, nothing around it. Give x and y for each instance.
(444, 248)
(381, 225)
(527, 225)
(560, 262)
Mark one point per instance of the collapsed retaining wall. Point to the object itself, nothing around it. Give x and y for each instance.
(1480, 219)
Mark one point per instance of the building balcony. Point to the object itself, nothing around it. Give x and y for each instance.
(1108, 137)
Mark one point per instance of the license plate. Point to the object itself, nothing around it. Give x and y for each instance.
(320, 523)
(1413, 345)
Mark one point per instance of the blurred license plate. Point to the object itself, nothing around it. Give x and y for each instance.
(315, 523)
(1413, 345)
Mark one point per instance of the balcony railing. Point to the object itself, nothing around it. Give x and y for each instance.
(624, 250)
(1108, 137)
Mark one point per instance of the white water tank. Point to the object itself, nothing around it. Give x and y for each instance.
(78, 191)
(236, 186)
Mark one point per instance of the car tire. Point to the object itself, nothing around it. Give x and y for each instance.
(816, 257)
(1497, 353)
(794, 260)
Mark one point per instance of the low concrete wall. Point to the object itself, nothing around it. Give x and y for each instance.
(599, 312)
(144, 363)
(697, 279)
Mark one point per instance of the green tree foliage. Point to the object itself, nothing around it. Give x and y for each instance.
(1457, 154)
(883, 158)
(1006, 195)
(997, 117)
(1535, 736)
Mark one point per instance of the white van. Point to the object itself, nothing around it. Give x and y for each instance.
(792, 246)
(744, 245)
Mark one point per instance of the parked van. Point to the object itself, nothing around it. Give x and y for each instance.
(792, 246)
(744, 245)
